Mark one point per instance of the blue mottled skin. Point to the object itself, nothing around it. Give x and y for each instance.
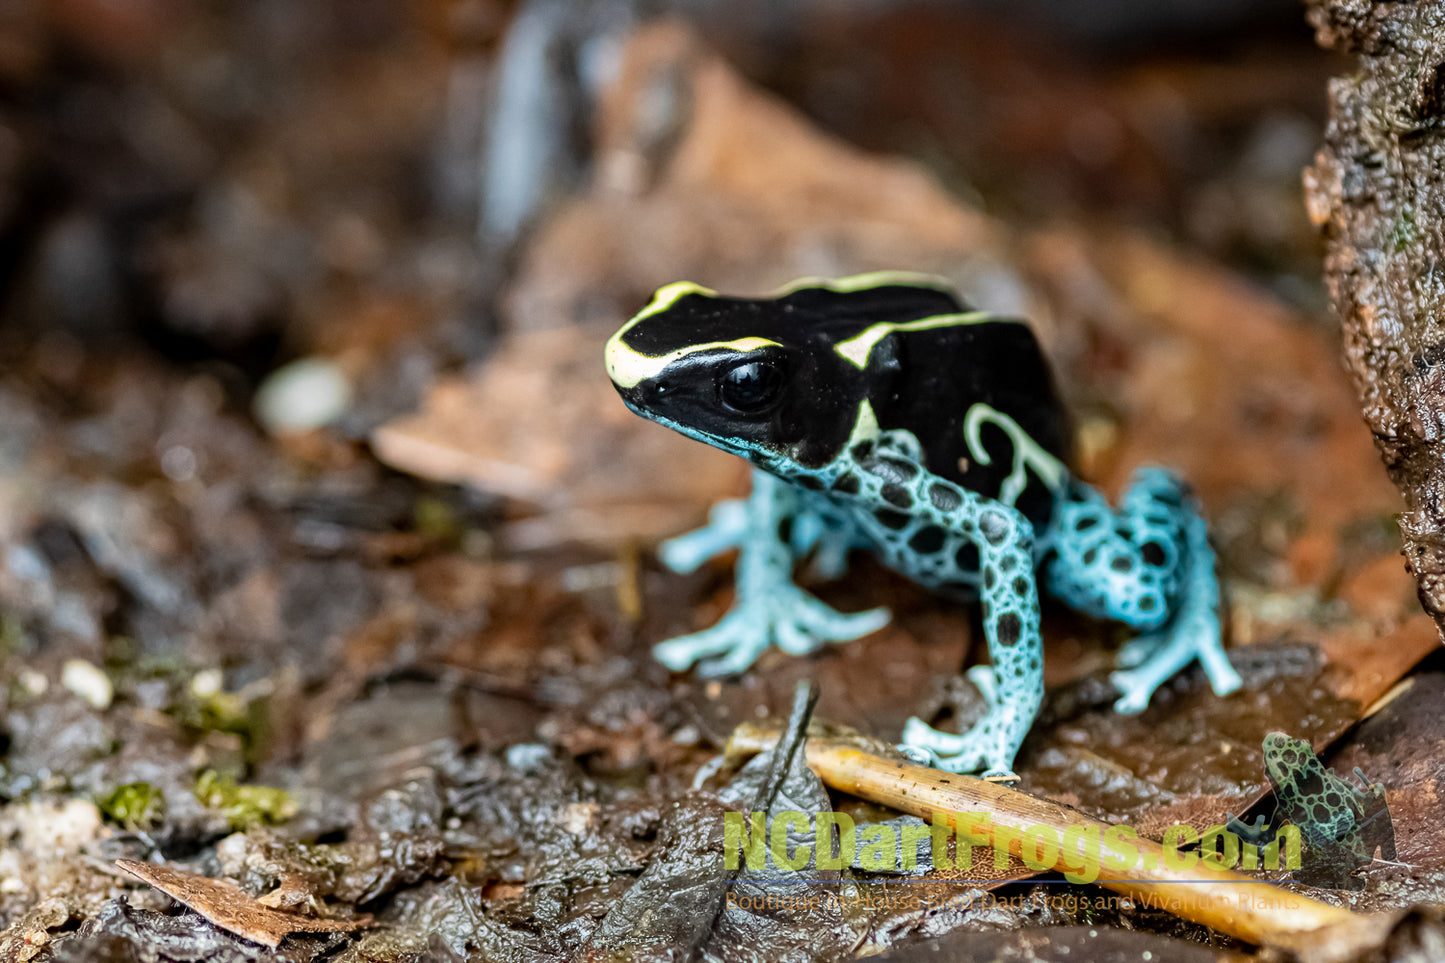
(1147, 564)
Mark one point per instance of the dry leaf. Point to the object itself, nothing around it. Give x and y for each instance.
(225, 904)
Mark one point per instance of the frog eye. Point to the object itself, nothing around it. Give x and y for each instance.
(751, 387)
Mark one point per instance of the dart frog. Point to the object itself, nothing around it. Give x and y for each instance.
(881, 413)
(1342, 824)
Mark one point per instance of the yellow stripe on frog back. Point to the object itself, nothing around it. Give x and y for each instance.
(865, 282)
(857, 348)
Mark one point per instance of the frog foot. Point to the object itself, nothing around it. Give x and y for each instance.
(785, 615)
(990, 743)
(726, 528)
(1151, 659)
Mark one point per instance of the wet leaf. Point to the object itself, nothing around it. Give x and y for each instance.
(227, 905)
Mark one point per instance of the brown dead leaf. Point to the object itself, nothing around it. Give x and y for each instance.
(540, 422)
(225, 904)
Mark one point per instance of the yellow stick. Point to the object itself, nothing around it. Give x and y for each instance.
(1224, 900)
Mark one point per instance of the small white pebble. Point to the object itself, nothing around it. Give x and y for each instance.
(302, 396)
(578, 816)
(179, 463)
(88, 682)
(527, 755)
(32, 682)
(206, 683)
(1148, 956)
(12, 884)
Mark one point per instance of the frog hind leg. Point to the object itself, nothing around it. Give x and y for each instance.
(769, 608)
(947, 536)
(1259, 833)
(1149, 565)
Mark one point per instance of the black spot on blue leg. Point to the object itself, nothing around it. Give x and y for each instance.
(898, 496)
(897, 468)
(990, 577)
(944, 498)
(847, 484)
(995, 527)
(1021, 585)
(966, 558)
(811, 482)
(928, 540)
(1008, 629)
(1122, 563)
(888, 518)
(1152, 553)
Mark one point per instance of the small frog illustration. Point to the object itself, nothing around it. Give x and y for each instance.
(1341, 825)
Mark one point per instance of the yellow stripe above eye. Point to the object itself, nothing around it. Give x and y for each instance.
(857, 348)
(629, 368)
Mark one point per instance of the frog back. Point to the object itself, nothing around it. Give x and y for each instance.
(977, 396)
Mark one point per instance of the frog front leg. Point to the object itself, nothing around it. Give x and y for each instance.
(926, 527)
(769, 608)
(1150, 566)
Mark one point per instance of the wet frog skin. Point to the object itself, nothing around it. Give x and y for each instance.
(1341, 824)
(881, 413)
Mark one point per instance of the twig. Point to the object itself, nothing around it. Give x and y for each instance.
(1230, 902)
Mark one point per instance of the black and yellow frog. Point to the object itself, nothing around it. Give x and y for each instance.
(881, 413)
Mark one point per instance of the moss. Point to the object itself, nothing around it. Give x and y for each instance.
(244, 806)
(1403, 232)
(134, 805)
(435, 520)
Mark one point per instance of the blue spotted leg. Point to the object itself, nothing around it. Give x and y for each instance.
(922, 525)
(1150, 566)
(774, 527)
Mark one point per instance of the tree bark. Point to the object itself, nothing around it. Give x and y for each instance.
(1377, 192)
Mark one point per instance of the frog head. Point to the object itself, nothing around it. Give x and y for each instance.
(785, 381)
(1285, 757)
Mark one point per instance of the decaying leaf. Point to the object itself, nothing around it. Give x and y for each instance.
(226, 905)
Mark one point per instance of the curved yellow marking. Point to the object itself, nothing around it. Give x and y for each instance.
(857, 348)
(866, 426)
(1027, 452)
(627, 367)
(863, 282)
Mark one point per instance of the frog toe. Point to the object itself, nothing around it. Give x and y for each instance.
(724, 639)
(988, 746)
(796, 621)
(727, 525)
(1156, 659)
(736, 660)
(810, 624)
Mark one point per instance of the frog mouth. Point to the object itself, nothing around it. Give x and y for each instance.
(733, 446)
